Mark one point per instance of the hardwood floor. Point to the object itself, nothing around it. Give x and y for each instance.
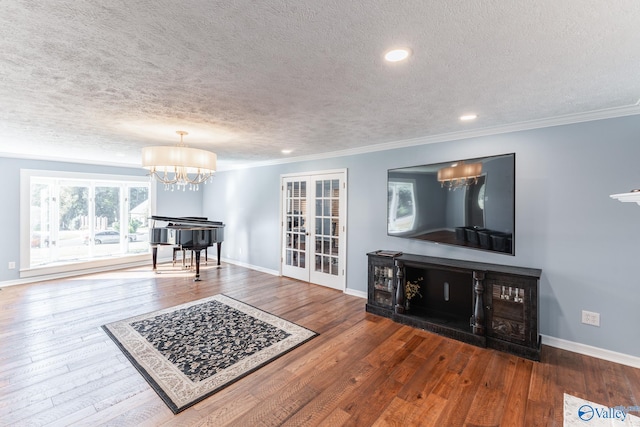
(57, 367)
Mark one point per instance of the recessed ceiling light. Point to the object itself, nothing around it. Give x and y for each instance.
(286, 151)
(396, 55)
(468, 117)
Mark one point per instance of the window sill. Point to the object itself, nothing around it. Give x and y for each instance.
(78, 268)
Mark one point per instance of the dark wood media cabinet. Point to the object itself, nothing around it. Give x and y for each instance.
(488, 305)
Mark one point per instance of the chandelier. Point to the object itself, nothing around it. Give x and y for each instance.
(179, 167)
(459, 175)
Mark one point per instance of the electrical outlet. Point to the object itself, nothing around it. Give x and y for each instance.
(590, 318)
(12, 265)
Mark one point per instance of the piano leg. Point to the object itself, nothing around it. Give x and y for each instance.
(154, 256)
(219, 250)
(197, 279)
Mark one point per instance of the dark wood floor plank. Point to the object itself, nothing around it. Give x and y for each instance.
(335, 385)
(620, 390)
(427, 377)
(571, 372)
(401, 414)
(57, 367)
(279, 407)
(464, 390)
(517, 394)
(546, 392)
(488, 404)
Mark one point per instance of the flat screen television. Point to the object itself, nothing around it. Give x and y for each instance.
(468, 202)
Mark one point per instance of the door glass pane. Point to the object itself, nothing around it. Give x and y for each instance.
(334, 246)
(295, 227)
(327, 211)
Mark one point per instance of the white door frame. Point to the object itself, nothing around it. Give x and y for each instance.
(342, 282)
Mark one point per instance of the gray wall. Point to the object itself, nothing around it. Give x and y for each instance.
(566, 224)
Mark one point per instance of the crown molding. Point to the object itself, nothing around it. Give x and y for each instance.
(608, 113)
(69, 160)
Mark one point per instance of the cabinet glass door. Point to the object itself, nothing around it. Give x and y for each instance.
(383, 285)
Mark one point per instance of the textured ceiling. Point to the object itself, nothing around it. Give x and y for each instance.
(97, 81)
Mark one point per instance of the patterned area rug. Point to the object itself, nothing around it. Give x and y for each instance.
(193, 350)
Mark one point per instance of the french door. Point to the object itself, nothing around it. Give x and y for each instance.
(314, 228)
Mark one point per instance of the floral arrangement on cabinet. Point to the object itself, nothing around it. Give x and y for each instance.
(411, 289)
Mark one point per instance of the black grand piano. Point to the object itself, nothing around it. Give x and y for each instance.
(189, 233)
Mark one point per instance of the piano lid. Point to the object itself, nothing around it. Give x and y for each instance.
(193, 220)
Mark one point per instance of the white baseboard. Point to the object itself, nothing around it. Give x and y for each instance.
(253, 267)
(353, 292)
(587, 350)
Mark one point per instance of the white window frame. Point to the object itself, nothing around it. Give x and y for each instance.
(63, 269)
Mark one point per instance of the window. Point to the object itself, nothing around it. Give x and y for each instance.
(80, 220)
(401, 202)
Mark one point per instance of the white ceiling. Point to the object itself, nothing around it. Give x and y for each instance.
(97, 81)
